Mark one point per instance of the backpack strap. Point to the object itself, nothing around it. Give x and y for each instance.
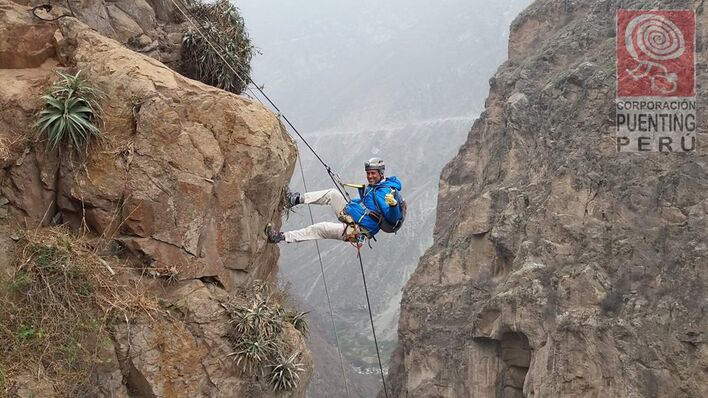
(380, 217)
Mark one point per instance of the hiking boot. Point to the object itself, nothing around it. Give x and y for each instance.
(273, 235)
(292, 199)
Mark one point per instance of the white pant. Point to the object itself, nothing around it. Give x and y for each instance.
(323, 230)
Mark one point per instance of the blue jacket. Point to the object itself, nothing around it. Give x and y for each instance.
(360, 209)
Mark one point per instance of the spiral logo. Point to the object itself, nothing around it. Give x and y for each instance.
(655, 37)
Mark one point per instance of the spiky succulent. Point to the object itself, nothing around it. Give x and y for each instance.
(71, 113)
(284, 374)
(259, 338)
(253, 352)
(299, 321)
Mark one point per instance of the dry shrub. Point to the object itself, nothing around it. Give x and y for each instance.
(56, 309)
(227, 64)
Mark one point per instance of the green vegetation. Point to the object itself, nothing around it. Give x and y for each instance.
(257, 337)
(71, 113)
(358, 347)
(299, 320)
(284, 373)
(224, 28)
(56, 307)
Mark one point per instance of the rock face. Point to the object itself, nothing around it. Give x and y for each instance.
(185, 175)
(190, 358)
(561, 268)
(184, 179)
(151, 27)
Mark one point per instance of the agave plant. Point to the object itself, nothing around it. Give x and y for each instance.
(71, 113)
(257, 335)
(284, 375)
(259, 319)
(252, 353)
(299, 321)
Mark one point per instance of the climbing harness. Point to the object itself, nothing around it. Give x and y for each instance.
(353, 232)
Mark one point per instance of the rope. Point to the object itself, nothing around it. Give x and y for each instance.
(248, 82)
(333, 177)
(371, 318)
(324, 281)
(219, 52)
(48, 8)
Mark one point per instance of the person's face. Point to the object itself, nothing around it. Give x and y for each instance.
(373, 177)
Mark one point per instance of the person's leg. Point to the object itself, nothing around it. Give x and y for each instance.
(323, 230)
(329, 197)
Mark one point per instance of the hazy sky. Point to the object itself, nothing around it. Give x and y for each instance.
(357, 64)
(399, 79)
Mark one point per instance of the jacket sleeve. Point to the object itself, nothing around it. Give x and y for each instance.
(390, 212)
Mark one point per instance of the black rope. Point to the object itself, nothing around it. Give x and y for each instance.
(371, 318)
(332, 176)
(249, 81)
(337, 182)
(48, 8)
(220, 51)
(324, 282)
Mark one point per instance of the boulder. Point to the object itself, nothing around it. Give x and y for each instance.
(125, 27)
(139, 11)
(25, 42)
(186, 170)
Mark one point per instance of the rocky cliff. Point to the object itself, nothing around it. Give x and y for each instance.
(179, 189)
(151, 27)
(559, 267)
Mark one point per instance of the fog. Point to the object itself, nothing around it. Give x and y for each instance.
(402, 80)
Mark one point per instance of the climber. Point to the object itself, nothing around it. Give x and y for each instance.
(379, 206)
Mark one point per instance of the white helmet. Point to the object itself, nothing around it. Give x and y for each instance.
(375, 164)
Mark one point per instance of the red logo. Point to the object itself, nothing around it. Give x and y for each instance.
(655, 53)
